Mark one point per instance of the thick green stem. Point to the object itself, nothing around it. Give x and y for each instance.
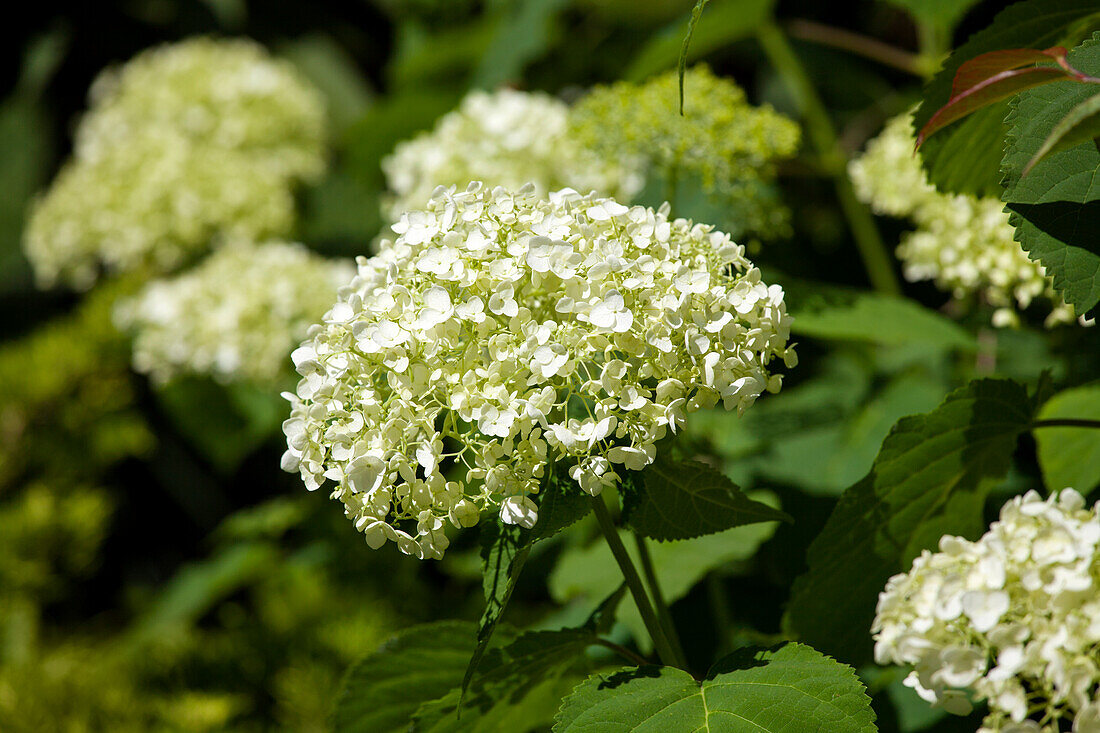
(723, 619)
(876, 259)
(663, 613)
(1066, 422)
(633, 582)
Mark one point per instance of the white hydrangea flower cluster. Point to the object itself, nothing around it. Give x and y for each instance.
(501, 331)
(184, 144)
(1013, 618)
(964, 243)
(237, 315)
(505, 138)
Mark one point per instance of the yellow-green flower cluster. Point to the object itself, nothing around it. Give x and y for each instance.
(1013, 619)
(184, 144)
(964, 243)
(503, 330)
(727, 144)
(506, 138)
(237, 315)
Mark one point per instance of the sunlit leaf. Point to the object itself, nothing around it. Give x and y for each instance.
(784, 689)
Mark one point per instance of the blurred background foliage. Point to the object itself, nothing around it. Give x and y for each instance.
(159, 572)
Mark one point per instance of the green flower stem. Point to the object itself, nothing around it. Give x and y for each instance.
(1066, 422)
(633, 582)
(659, 603)
(720, 607)
(876, 259)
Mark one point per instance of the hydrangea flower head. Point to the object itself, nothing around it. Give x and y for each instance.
(505, 138)
(729, 145)
(237, 315)
(150, 205)
(964, 243)
(227, 94)
(184, 146)
(1013, 618)
(504, 331)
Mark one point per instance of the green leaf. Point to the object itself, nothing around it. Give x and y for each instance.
(1081, 124)
(561, 502)
(1056, 207)
(389, 121)
(942, 13)
(525, 33)
(198, 586)
(1070, 456)
(835, 313)
(504, 550)
(382, 691)
(679, 500)
(25, 149)
(964, 158)
(590, 571)
(509, 675)
(725, 23)
(224, 422)
(930, 478)
(333, 71)
(785, 689)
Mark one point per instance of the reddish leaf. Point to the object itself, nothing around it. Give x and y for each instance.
(982, 67)
(992, 76)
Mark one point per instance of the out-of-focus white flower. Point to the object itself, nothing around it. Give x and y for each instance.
(236, 316)
(503, 330)
(964, 243)
(1014, 618)
(505, 138)
(183, 147)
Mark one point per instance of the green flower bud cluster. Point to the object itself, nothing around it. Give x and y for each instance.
(236, 315)
(727, 144)
(963, 243)
(183, 144)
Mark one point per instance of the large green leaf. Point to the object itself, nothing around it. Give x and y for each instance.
(382, 691)
(679, 500)
(930, 478)
(504, 550)
(842, 314)
(1056, 207)
(511, 680)
(590, 571)
(1070, 456)
(964, 157)
(786, 689)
